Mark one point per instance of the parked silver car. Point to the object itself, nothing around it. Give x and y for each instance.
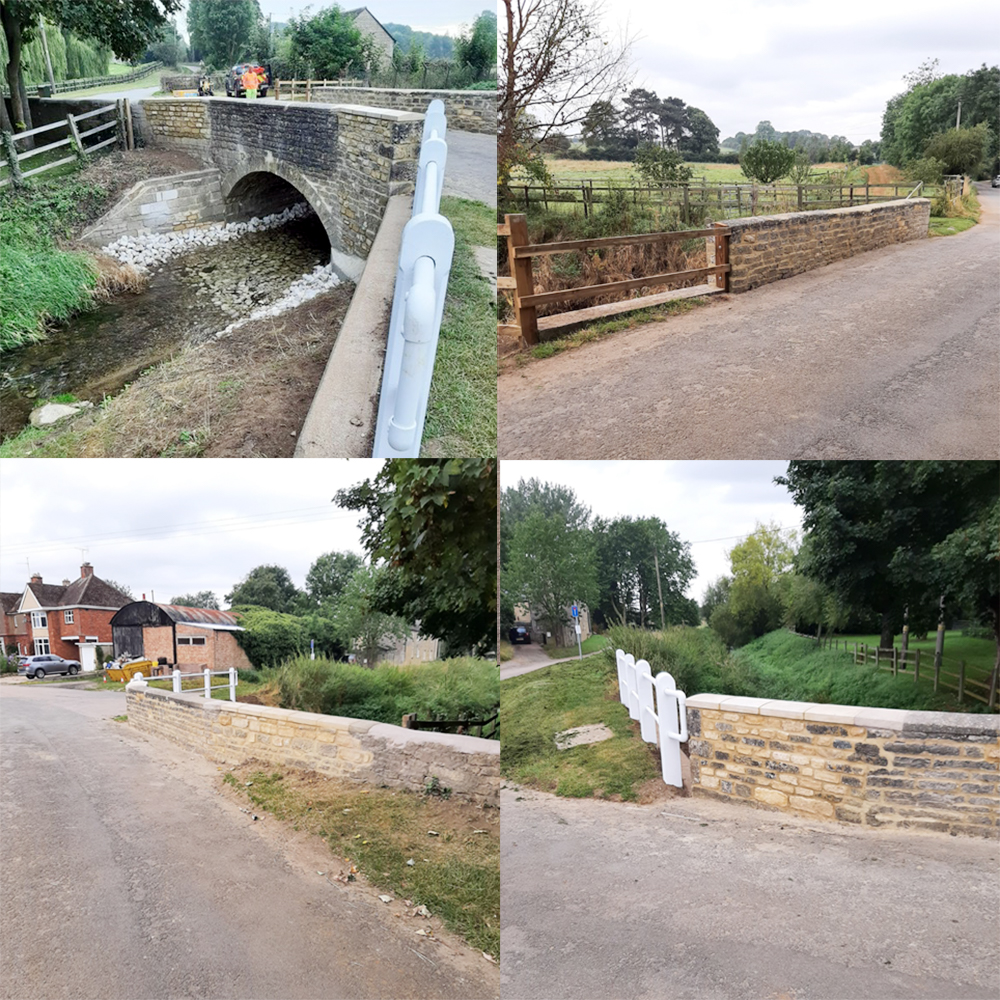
(47, 663)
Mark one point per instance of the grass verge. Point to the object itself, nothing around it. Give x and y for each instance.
(455, 873)
(149, 80)
(538, 705)
(593, 644)
(462, 408)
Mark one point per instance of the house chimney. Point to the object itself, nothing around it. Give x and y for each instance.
(65, 583)
(86, 570)
(36, 578)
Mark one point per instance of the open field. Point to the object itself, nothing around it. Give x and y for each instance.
(979, 654)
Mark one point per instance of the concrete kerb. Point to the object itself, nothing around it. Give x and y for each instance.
(341, 419)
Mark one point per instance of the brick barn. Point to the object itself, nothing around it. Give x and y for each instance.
(190, 638)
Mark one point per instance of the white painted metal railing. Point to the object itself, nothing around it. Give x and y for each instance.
(418, 302)
(176, 678)
(663, 718)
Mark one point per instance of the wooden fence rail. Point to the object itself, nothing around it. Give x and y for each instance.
(724, 198)
(485, 728)
(896, 661)
(86, 83)
(520, 284)
(13, 158)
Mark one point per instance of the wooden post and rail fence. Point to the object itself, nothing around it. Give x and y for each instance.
(928, 664)
(485, 728)
(12, 157)
(520, 283)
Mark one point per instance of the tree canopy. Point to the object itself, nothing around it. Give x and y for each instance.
(326, 44)
(222, 34)
(201, 599)
(265, 587)
(766, 160)
(477, 47)
(329, 575)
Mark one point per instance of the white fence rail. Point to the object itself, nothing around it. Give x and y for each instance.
(418, 302)
(662, 716)
(176, 678)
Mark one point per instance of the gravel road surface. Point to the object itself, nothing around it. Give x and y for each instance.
(128, 873)
(699, 900)
(892, 354)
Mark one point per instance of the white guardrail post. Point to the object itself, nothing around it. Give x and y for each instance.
(232, 683)
(662, 719)
(425, 257)
(208, 683)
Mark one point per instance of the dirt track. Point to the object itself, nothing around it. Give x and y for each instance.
(890, 354)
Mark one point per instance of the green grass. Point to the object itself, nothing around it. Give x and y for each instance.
(462, 408)
(544, 702)
(119, 69)
(948, 227)
(455, 874)
(40, 282)
(592, 644)
(979, 654)
(149, 80)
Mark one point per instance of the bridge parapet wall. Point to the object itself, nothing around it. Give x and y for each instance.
(770, 247)
(346, 160)
(467, 110)
(877, 767)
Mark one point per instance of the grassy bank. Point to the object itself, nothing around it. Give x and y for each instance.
(377, 831)
(593, 644)
(564, 696)
(462, 408)
(41, 282)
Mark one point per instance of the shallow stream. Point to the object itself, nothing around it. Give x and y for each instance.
(188, 299)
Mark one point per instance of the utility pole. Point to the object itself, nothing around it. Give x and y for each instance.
(958, 117)
(45, 47)
(659, 588)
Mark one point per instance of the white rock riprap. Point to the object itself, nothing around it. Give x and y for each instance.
(321, 279)
(145, 252)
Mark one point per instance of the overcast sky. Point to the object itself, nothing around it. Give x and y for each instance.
(172, 527)
(440, 17)
(710, 504)
(800, 64)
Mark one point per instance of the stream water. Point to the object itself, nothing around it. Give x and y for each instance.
(188, 299)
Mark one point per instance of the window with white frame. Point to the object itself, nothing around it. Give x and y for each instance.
(41, 646)
(39, 620)
(68, 617)
(190, 640)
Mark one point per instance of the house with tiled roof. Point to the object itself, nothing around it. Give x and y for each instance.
(14, 626)
(366, 22)
(189, 639)
(71, 619)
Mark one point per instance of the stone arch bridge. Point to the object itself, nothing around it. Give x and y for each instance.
(345, 160)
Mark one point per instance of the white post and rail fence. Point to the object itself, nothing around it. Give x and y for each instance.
(418, 302)
(176, 678)
(80, 151)
(658, 707)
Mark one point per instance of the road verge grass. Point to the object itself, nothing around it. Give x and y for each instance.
(593, 644)
(564, 696)
(455, 871)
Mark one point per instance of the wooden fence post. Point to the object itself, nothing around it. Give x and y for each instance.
(10, 151)
(961, 680)
(408, 720)
(878, 650)
(916, 667)
(722, 255)
(120, 117)
(524, 285)
(130, 134)
(75, 138)
(894, 661)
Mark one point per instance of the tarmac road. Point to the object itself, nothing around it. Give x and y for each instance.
(693, 899)
(471, 171)
(126, 874)
(892, 354)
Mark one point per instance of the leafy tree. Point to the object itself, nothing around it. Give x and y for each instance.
(550, 565)
(202, 599)
(758, 564)
(436, 46)
(478, 48)
(961, 150)
(265, 587)
(127, 26)
(601, 125)
(435, 522)
(628, 550)
(716, 594)
(329, 575)
(764, 161)
(168, 48)
(223, 33)
(328, 43)
(872, 527)
(657, 165)
(270, 637)
(801, 168)
(121, 588)
(702, 140)
(358, 620)
(532, 495)
(641, 114)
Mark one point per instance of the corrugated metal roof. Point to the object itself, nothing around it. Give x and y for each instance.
(198, 616)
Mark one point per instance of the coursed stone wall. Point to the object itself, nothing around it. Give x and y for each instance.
(352, 749)
(346, 161)
(770, 247)
(871, 766)
(466, 110)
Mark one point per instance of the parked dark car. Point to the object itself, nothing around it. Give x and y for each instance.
(520, 633)
(47, 663)
(234, 80)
